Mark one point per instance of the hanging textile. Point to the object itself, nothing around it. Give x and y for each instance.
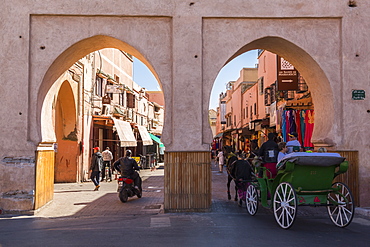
(283, 126)
(298, 125)
(287, 114)
(309, 121)
(292, 125)
(303, 125)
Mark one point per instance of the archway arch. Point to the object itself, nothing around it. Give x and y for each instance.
(65, 168)
(55, 92)
(318, 82)
(78, 50)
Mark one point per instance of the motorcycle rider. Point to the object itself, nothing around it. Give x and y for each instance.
(127, 166)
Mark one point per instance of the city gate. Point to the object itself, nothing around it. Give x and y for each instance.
(185, 45)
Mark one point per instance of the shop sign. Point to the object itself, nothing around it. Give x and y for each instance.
(287, 75)
(115, 88)
(358, 94)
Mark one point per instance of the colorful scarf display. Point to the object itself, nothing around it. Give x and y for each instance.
(300, 121)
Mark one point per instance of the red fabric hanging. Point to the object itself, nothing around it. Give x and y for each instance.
(309, 121)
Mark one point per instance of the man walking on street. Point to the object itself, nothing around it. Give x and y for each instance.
(96, 166)
(107, 158)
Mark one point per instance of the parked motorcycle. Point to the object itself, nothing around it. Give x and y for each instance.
(126, 189)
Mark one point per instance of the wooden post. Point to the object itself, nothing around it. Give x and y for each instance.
(187, 181)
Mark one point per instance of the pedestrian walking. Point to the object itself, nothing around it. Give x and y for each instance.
(107, 159)
(96, 166)
(221, 160)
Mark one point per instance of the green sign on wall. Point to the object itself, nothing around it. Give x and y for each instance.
(358, 94)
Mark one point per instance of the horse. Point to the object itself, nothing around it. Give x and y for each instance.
(232, 173)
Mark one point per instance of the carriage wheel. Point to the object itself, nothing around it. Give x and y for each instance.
(285, 205)
(252, 200)
(341, 209)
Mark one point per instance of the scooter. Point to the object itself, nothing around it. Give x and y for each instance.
(126, 189)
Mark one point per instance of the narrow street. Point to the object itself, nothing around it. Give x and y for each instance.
(79, 216)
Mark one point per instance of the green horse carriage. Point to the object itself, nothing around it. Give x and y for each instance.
(303, 179)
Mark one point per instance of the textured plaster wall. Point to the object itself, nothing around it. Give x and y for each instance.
(185, 44)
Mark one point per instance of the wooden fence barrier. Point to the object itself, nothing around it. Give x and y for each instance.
(350, 178)
(187, 181)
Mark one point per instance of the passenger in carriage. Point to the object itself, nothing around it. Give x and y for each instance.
(283, 150)
(293, 144)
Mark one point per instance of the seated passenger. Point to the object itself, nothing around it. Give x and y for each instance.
(283, 150)
(293, 144)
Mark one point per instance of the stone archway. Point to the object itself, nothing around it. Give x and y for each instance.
(316, 79)
(186, 44)
(66, 165)
(65, 108)
(315, 64)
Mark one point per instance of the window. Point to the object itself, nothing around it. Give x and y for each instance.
(99, 85)
(121, 99)
(255, 109)
(110, 94)
(268, 96)
(260, 85)
(130, 100)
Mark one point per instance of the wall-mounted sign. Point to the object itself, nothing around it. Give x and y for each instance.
(287, 75)
(358, 94)
(115, 88)
(106, 100)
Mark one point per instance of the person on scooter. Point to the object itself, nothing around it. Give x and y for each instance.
(127, 166)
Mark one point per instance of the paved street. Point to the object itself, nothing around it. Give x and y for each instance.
(79, 216)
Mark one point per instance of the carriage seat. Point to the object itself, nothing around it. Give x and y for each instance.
(312, 159)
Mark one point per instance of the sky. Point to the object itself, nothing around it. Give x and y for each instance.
(230, 72)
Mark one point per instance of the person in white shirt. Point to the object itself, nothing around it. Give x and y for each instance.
(107, 158)
(221, 160)
(293, 144)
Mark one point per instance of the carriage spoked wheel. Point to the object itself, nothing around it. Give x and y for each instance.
(251, 199)
(285, 205)
(341, 205)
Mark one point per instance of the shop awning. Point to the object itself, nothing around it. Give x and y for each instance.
(218, 135)
(125, 133)
(157, 140)
(145, 137)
